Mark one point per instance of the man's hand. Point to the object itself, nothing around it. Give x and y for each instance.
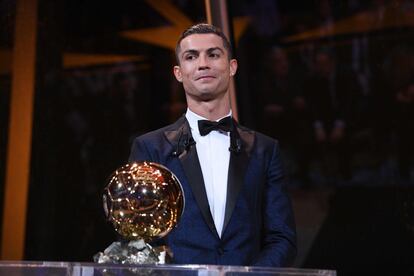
(274, 109)
(299, 103)
(337, 134)
(320, 134)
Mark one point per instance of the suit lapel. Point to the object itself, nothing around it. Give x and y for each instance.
(237, 169)
(187, 155)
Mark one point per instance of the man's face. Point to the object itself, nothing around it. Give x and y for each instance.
(205, 69)
(280, 63)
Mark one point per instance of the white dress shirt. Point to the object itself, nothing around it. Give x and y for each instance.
(214, 156)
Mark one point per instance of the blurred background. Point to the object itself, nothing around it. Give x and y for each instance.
(332, 80)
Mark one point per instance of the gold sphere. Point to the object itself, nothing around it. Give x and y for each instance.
(143, 200)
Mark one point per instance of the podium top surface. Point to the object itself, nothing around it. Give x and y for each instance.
(28, 268)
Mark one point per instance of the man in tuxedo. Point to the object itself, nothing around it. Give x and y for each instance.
(236, 209)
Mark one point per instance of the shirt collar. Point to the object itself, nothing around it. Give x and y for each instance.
(193, 119)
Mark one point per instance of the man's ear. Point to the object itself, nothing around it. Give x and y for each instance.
(233, 67)
(177, 73)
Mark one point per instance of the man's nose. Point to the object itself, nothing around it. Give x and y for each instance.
(203, 62)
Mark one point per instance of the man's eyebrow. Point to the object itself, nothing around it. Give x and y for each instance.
(209, 50)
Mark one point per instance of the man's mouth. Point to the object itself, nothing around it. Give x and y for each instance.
(207, 77)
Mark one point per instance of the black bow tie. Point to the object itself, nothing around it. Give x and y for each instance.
(206, 126)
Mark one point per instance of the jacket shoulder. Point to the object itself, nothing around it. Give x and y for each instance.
(159, 133)
(260, 138)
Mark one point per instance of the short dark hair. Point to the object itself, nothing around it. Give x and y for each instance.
(203, 28)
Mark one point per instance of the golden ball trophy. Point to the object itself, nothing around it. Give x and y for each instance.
(144, 201)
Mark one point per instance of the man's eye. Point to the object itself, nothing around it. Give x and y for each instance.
(214, 55)
(190, 57)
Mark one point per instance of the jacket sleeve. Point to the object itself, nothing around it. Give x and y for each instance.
(279, 233)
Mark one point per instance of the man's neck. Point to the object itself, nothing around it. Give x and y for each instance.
(210, 110)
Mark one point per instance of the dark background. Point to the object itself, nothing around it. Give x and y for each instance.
(352, 217)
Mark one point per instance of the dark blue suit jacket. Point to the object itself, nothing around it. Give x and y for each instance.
(258, 225)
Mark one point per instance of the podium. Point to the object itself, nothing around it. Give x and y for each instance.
(26, 268)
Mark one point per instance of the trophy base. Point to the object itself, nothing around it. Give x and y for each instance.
(133, 252)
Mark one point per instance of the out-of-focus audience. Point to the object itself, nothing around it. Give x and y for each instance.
(339, 101)
(329, 92)
(396, 102)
